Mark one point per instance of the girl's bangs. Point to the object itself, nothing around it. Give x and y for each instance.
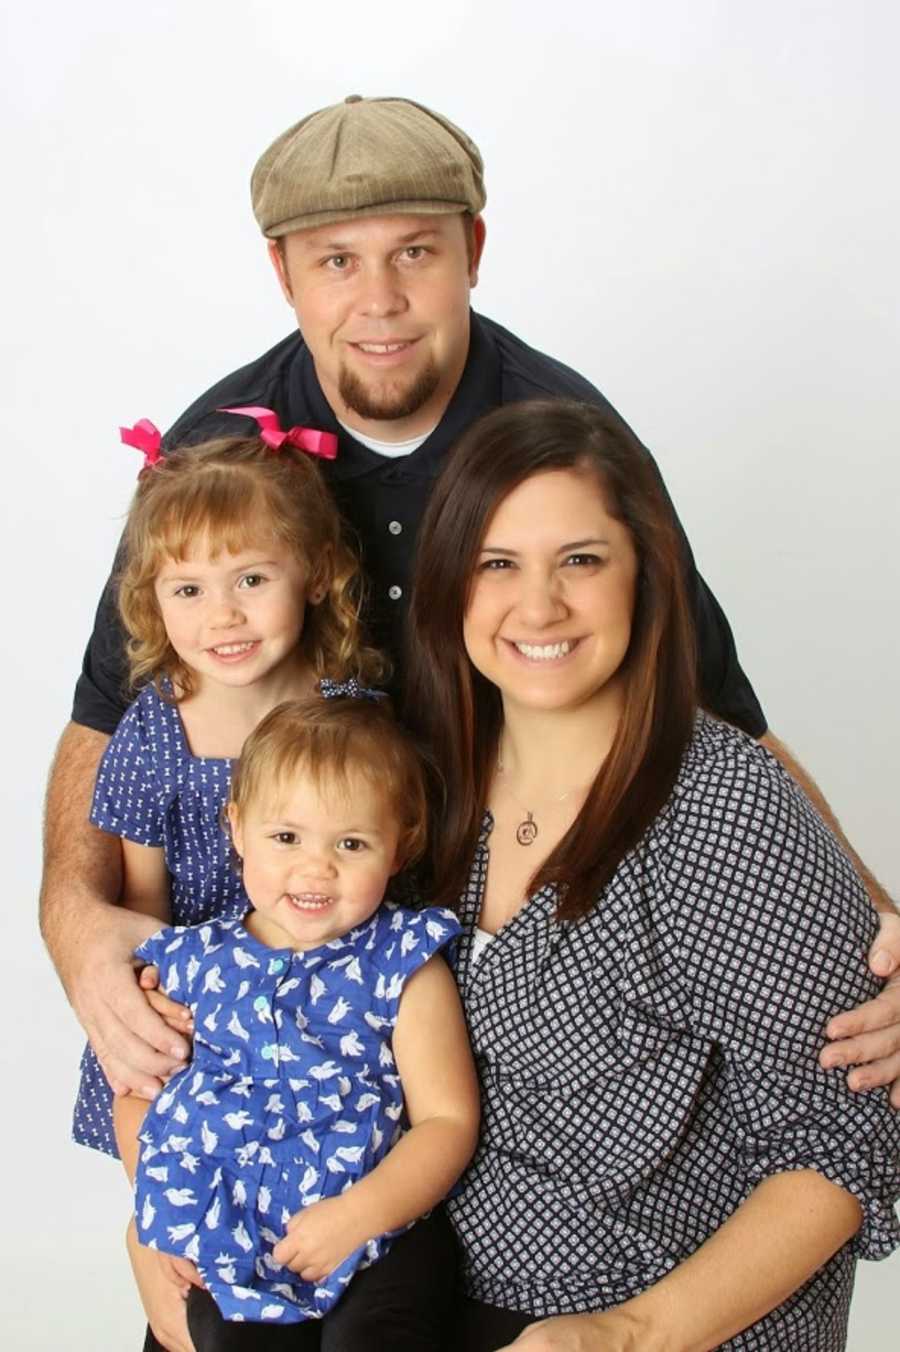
(222, 513)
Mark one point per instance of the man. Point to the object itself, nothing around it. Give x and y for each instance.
(372, 212)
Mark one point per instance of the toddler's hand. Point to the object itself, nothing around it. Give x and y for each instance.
(319, 1237)
(178, 1017)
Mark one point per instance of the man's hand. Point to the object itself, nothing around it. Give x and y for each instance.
(136, 1049)
(163, 1302)
(869, 1037)
(320, 1237)
(90, 937)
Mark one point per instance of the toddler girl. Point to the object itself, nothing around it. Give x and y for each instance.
(276, 1161)
(236, 592)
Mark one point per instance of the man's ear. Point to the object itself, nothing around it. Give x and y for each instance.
(278, 259)
(479, 231)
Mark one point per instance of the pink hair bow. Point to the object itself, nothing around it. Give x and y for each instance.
(144, 437)
(309, 439)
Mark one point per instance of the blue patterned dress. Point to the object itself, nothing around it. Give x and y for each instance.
(292, 1095)
(151, 790)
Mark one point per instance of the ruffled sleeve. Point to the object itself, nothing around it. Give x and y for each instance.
(175, 950)
(127, 800)
(771, 927)
(408, 939)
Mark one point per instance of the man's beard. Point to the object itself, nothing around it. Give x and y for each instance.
(386, 405)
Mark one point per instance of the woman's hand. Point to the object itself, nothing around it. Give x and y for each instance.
(161, 1298)
(869, 1037)
(612, 1331)
(178, 1017)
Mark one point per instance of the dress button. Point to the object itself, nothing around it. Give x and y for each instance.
(395, 593)
(395, 528)
(276, 965)
(260, 1002)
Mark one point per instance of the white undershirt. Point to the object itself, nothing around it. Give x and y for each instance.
(480, 940)
(392, 449)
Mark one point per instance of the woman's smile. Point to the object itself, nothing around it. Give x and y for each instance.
(549, 613)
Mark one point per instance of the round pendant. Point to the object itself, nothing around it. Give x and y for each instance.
(526, 831)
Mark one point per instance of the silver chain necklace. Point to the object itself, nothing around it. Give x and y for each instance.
(527, 830)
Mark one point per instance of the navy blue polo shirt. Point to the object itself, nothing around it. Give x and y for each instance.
(383, 500)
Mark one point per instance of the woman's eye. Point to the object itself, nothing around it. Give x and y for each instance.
(583, 560)
(494, 565)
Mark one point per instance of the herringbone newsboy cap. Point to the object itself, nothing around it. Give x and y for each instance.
(365, 157)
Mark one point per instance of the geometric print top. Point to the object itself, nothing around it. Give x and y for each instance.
(292, 1095)
(643, 1069)
(151, 790)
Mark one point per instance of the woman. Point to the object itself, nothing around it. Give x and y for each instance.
(647, 897)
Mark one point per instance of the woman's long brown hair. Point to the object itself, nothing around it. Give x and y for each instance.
(458, 713)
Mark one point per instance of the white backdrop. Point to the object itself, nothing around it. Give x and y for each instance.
(694, 204)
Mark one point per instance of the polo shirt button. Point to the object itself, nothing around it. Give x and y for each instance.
(395, 593)
(395, 528)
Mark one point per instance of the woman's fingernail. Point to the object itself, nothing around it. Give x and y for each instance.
(178, 1052)
(882, 962)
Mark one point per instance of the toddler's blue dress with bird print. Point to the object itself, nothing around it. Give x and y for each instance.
(292, 1095)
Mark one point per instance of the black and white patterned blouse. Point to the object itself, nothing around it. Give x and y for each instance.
(644, 1069)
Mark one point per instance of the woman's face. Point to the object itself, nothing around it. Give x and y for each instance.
(548, 619)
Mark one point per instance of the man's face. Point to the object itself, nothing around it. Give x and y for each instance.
(383, 306)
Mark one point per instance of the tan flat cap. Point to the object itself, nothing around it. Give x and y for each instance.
(365, 157)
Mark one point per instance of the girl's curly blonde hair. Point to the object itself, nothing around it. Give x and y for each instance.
(237, 493)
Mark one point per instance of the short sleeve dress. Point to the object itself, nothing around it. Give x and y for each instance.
(152, 790)
(291, 1096)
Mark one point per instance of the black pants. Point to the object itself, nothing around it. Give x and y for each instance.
(485, 1328)
(402, 1303)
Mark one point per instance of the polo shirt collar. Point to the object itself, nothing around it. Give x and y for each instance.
(478, 391)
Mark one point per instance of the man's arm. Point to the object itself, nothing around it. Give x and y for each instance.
(867, 1038)
(90, 938)
(878, 895)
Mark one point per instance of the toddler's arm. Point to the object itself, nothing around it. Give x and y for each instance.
(431, 1048)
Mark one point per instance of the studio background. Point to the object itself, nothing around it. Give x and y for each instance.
(696, 205)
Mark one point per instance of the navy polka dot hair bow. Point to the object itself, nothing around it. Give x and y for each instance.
(348, 690)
